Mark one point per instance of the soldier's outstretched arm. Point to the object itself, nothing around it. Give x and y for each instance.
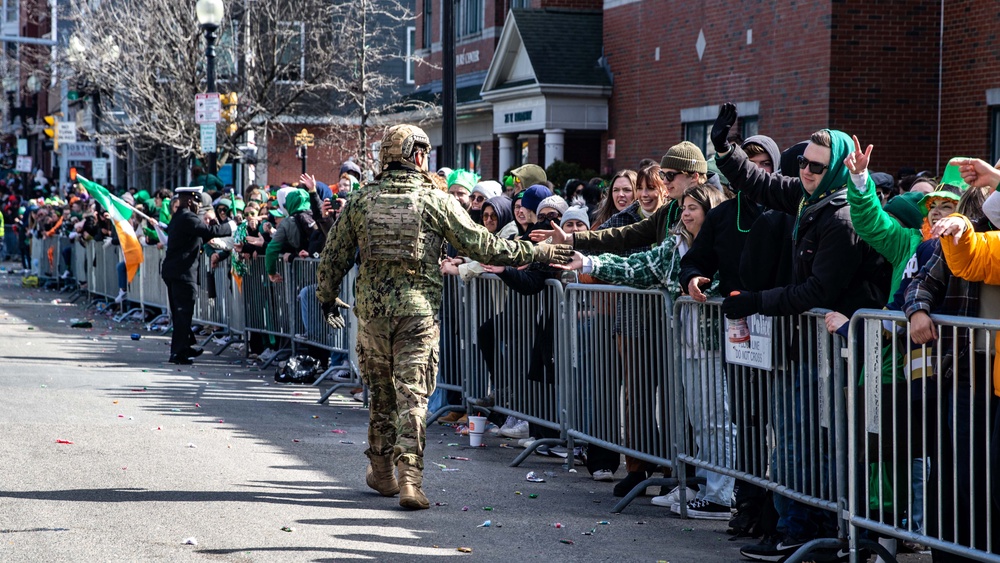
(476, 242)
(337, 258)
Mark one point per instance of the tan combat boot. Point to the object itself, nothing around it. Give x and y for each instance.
(410, 495)
(379, 475)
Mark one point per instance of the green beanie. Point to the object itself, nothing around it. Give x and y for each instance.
(464, 178)
(907, 209)
(686, 157)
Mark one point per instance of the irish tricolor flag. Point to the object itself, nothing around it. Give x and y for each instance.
(120, 212)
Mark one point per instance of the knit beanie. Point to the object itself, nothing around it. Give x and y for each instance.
(488, 188)
(578, 213)
(533, 196)
(553, 202)
(906, 207)
(463, 178)
(529, 174)
(686, 157)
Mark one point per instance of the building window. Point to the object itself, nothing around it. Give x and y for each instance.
(290, 58)
(10, 12)
(411, 59)
(699, 133)
(471, 153)
(428, 24)
(469, 17)
(749, 126)
(225, 63)
(520, 4)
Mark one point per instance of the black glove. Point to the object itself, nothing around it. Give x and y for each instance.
(723, 123)
(553, 253)
(332, 314)
(741, 304)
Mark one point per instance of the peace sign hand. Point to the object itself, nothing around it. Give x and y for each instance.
(857, 161)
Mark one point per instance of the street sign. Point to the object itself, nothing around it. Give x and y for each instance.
(100, 166)
(304, 138)
(66, 132)
(208, 137)
(22, 147)
(207, 109)
(78, 151)
(23, 164)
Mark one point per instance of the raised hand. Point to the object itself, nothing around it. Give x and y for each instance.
(857, 161)
(978, 173)
(309, 181)
(723, 123)
(949, 226)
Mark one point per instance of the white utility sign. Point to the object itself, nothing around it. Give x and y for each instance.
(207, 108)
(208, 137)
(66, 132)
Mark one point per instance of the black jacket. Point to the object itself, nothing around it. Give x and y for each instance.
(832, 268)
(719, 244)
(185, 235)
(767, 254)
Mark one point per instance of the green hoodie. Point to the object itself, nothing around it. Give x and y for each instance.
(287, 235)
(837, 175)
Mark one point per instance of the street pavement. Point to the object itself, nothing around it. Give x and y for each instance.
(219, 454)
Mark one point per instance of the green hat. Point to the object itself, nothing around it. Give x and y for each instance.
(952, 175)
(529, 174)
(686, 157)
(907, 208)
(276, 213)
(240, 206)
(714, 168)
(925, 201)
(464, 178)
(142, 196)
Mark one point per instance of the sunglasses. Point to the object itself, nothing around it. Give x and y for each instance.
(477, 197)
(550, 217)
(668, 176)
(814, 167)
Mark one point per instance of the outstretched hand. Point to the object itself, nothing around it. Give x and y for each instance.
(576, 263)
(558, 235)
(949, 226)
(309, 181)
(723, 123)
(979, 174)
(857, 161)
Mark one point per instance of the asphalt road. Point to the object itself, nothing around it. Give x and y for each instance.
(220, 453)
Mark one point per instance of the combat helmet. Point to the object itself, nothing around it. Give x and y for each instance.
(399, 143)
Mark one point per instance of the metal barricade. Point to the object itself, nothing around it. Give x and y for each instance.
(451, 359)
(510, 357)
(79, 266)
(618, 374)
(152, 290)
(922, 436)
(266, 304)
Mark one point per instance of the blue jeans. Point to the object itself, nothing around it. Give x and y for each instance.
(309, 309)
(122, 277)
(706, 397)
(801, 459)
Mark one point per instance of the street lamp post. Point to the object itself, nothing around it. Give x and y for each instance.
(210, 13)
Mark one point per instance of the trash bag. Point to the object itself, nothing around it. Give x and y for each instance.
(298, 369)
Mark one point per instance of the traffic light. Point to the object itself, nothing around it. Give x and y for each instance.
(50, 131)
(230, 113)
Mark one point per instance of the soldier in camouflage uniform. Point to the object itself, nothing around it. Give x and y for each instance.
(397, 227)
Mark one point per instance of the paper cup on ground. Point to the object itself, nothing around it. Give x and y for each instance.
(477, 426)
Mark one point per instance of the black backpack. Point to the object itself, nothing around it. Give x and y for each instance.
(298, 369)
(311, 237)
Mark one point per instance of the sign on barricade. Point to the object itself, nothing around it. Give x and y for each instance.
(753, 350)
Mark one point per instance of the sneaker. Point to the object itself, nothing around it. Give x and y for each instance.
(604, 475)
(704, 510)
(559, 451)
(515, 428)
(267, 354)
(543, 450)
(221, 340)
(301, 336)
(773, 548)
(525, 442)
(672, 498)
(747, 515)
(359, 396)
(65, 275)
(630, 482)
(122, 294)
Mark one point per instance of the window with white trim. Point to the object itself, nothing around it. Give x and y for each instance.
(411, 58)
(469, 18)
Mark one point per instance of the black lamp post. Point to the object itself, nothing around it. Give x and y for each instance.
(210, 13)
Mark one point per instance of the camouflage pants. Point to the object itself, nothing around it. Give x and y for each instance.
(398, 357)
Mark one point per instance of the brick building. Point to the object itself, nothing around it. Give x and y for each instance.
(533, 82)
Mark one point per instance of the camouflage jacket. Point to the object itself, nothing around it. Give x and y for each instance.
(397, 229)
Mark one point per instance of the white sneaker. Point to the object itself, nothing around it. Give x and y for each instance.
(121, 296)
(267, 354)
(359, 396)
(519, 429)
(65, 275)
(525, 442)
(673, 497)
(603, 475)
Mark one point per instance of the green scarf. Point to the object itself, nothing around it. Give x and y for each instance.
(835, 179)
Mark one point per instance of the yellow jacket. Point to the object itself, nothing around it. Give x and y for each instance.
(976, 258)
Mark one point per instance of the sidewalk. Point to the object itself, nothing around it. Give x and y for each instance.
(219, 453)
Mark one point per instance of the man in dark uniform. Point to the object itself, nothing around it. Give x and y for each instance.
(185, 235)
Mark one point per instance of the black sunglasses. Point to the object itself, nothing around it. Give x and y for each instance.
(814, 167)
(668, 176)
(554, 216)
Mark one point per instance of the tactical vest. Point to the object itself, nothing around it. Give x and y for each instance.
(396, 230)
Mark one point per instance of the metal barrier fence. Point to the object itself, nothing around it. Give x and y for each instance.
(923, 439)
(451, 360)
(619, 381)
